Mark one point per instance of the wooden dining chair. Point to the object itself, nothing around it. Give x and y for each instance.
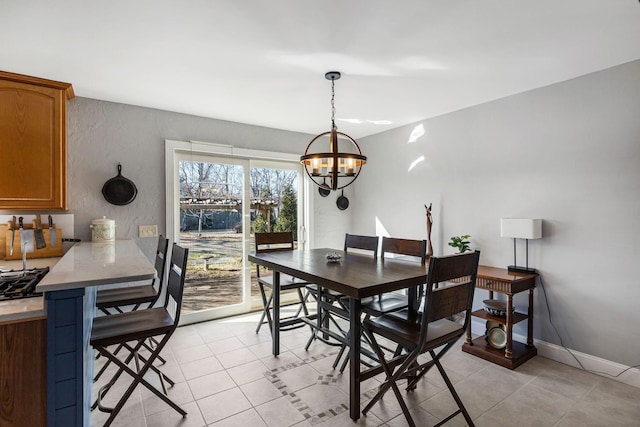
(136, 296)
(131, 329)
(430, 331)
(415, 250)
(277, 242)
(392, 301)
(336, 304)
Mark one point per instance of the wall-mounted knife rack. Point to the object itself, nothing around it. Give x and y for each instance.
(46, 252)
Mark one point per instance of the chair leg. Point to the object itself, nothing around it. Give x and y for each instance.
(392, 377)
(455, 396)
(117, 350)
(138, 378)
(266, 303)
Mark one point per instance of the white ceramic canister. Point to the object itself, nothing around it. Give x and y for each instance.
(103, 230)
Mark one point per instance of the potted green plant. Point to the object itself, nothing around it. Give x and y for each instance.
(461, 243)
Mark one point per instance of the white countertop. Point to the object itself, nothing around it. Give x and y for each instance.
(93, 264)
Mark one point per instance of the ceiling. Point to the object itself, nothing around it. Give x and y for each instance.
(263, 63)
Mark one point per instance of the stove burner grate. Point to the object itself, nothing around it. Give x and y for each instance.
(15, 284)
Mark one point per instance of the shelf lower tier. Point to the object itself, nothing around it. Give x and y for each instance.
(480, 348)
(517, 317)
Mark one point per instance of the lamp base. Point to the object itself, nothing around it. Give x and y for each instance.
(525, 270)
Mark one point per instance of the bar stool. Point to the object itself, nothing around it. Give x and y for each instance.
(117, 298)
(135, 296)
(138, 326)
(277, 242)
(390, 302)
(335, 305)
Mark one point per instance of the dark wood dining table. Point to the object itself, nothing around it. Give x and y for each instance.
(355, 275)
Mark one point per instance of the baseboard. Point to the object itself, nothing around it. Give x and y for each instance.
(596, 365)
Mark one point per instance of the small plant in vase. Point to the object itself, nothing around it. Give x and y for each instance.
(461, 243)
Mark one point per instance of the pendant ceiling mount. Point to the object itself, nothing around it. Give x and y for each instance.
(333, 155)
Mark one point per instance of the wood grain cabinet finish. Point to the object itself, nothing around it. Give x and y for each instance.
(33, 135)
(23, 374)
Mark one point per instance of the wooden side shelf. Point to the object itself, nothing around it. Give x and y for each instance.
(499, 280)
(479, 347)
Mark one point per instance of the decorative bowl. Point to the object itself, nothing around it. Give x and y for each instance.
(333, 257)
(495, 307)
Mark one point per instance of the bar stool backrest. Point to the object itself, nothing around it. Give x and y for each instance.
(175, 281)
(366, 243)
(408, 247)
(451, 282)
(274, 242)
(160, 263)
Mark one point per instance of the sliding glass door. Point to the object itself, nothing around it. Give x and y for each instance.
(218, 201)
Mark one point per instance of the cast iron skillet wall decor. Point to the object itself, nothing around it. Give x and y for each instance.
(324, 189)
(119, 190)
(342, 202)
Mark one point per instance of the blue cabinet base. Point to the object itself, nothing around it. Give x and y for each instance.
(69, 364)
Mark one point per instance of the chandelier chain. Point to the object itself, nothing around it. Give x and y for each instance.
(333, 104)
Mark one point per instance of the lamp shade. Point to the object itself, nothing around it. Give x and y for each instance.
(521, 228)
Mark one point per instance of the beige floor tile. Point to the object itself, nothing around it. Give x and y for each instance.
(236, 357)
(191, 353)
(225, 345)
(248, 372)
(531, 406)
(198, 368)
(299, 377)
(213, 331)
(222, 405)
(323, 398)
(285, 358)
(279, 413)
(179, 394)
(260, 391)
(604, 408)
(210, 384)
(249, 418)
(171, 418)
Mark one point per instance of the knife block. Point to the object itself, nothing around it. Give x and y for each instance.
(46, 252)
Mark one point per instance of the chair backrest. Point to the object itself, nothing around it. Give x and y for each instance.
(365, 243)
(175, 281)
(160, 263)
(274, 242)
(456, 295)
(409, 247)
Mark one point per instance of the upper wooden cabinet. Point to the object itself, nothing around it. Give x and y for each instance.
(33, 146)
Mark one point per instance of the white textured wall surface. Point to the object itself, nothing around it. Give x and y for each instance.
(567, 153)
(102, 134)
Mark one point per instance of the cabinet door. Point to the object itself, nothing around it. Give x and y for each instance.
(32, 147)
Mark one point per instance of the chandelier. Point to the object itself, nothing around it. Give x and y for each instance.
(333, 156)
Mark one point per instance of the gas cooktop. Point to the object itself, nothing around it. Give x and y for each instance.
(15, 284)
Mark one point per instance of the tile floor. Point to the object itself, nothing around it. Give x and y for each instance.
(225, 376)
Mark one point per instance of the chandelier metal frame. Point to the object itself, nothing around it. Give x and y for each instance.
(333, 165)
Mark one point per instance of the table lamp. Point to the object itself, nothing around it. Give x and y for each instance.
(521, 228)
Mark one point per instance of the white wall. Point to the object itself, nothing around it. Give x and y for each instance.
(567, 153)
(101, 134)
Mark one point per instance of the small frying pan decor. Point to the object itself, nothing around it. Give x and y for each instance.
(342, 202)
(119, 190)
(324, 189)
